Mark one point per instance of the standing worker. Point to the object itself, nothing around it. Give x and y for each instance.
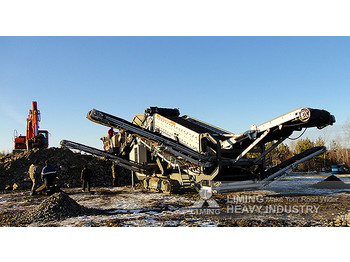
(48, 175)
(34, 174)
(114, 175)
(110, 133)
(120, 141)
(122, 136)
(86, 175)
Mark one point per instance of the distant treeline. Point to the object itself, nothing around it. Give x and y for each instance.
(336, 154)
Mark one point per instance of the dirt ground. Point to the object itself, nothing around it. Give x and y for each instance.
(297, 200)
(288, 203)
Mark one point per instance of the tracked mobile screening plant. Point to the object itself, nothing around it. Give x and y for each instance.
(168, 152)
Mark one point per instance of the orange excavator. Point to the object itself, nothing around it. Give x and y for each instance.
(34, 138)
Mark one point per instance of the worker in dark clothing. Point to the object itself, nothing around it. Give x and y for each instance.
(48, 175)
(86, 175)
(110, 133)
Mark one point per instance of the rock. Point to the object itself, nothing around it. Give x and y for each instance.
(337, 223)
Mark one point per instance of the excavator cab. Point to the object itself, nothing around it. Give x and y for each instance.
(43, 139)
(39, 141)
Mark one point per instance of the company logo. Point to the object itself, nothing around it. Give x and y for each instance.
(205, 205)
(255, 204)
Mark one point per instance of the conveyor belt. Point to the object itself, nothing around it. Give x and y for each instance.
(315, 151)
(119, 123)
(130, 165)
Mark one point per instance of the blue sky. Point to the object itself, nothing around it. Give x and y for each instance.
(231, 82)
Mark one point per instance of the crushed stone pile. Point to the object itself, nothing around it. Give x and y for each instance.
(14, 168)
(57, 207)
(331, 182)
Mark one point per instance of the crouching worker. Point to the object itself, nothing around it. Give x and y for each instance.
(48, 175)
(34, 174)
(86, 175)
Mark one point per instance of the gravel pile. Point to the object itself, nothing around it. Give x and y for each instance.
(14, 168)
(57, 207)
(331, 182)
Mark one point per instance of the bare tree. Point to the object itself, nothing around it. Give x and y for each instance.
(346, 129)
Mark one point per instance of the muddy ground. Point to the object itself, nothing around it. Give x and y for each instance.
(290, 202)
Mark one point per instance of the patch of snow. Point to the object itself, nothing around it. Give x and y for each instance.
(153, 213)
(4, 199)
(297, 183)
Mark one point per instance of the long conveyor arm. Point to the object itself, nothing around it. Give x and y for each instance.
(130, 165)
(292, 121)
(119, 123)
